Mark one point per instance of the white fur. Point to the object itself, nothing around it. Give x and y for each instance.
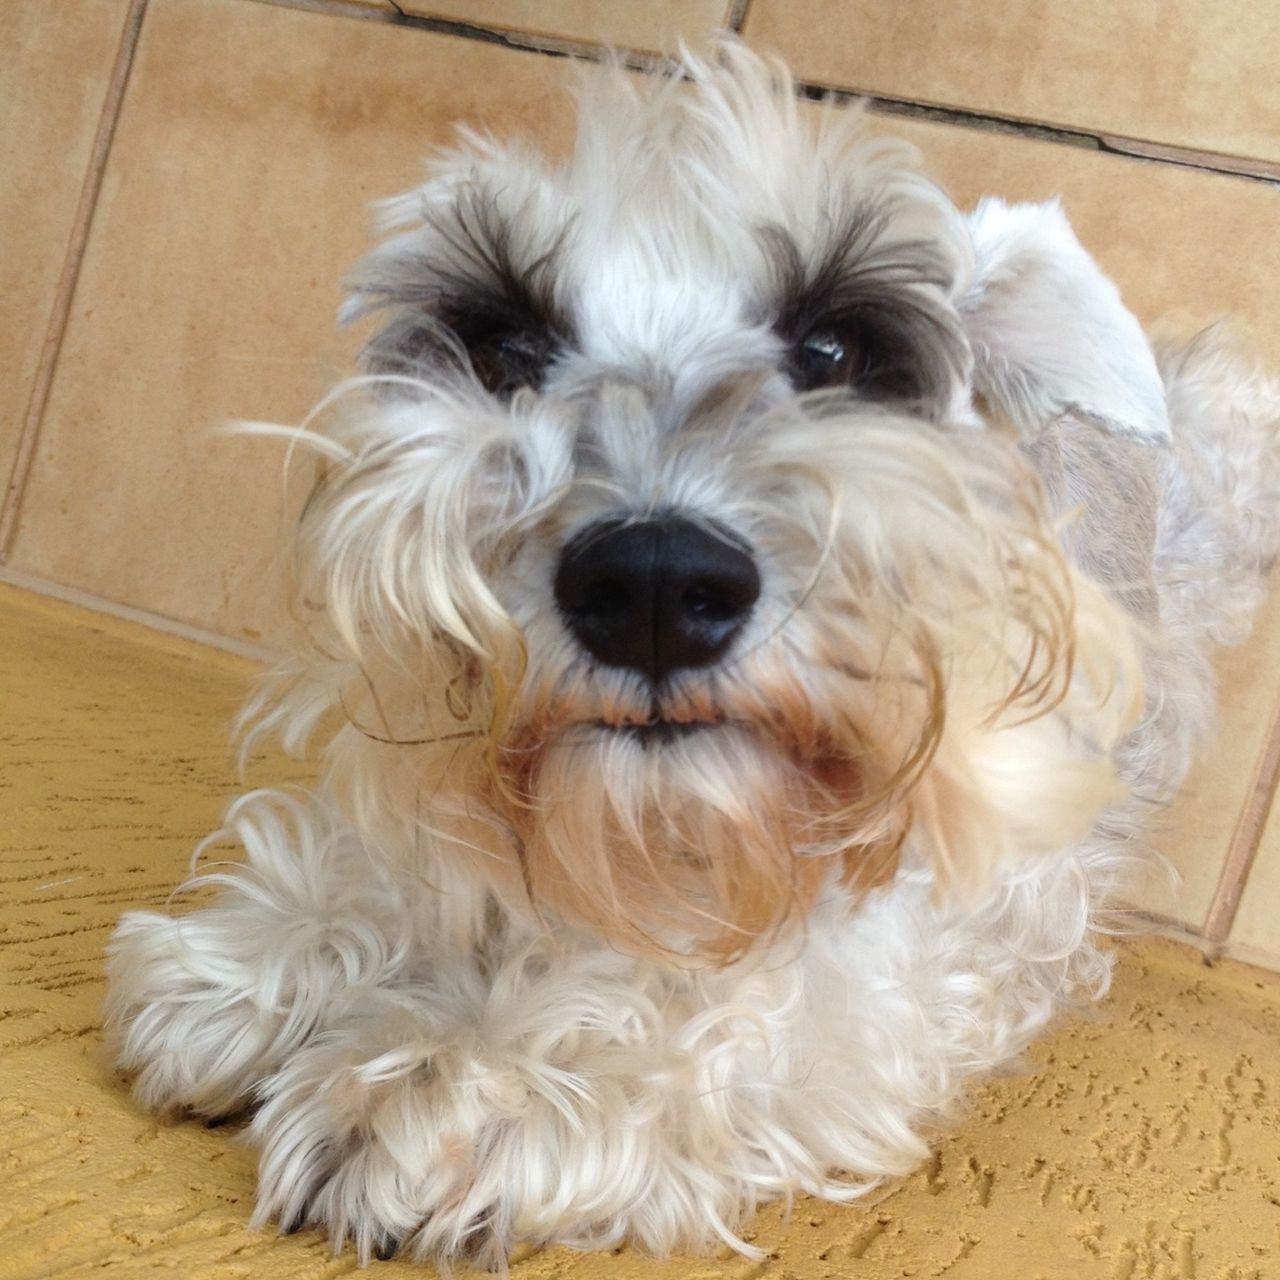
(460, 1021)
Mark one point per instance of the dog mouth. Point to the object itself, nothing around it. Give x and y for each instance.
(657, 732)
(658, 720)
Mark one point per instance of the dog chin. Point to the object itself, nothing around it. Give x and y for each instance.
(694, 837)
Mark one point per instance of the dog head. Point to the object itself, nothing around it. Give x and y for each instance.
(675, 570)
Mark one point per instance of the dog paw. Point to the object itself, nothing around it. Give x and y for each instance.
(456, 1126)
(383, 1149)
(202, 1007)
(382, 1247)
(193, 1040)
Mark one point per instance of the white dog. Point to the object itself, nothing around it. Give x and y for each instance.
(751, 612)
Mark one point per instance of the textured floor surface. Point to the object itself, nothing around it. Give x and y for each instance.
(1143, 1143)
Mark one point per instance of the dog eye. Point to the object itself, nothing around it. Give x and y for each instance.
(828, 357)
(505, 362)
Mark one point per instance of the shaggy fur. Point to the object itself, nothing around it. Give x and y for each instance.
(561, 953)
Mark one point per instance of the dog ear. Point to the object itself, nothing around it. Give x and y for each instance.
(1049, 331)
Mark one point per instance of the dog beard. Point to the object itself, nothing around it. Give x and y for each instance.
(686, 838)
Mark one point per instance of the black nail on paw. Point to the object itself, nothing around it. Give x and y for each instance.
(294, 1225)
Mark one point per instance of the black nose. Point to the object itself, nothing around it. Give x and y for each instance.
(656, 595)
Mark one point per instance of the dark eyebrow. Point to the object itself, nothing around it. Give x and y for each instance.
(485, 268)
(854, 271)
(462, 277)
(893, 292)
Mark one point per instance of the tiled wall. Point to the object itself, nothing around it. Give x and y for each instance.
(186, 182)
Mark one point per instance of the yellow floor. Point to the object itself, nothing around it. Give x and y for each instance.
(1145, 1145)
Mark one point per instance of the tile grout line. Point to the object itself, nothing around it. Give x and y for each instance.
(642, 60)
(262, 655)
(1060, 135)
(1246, 839)
(1242, 953)
(42, 383)
(1190, 158)
(959, 117)
(518, 41)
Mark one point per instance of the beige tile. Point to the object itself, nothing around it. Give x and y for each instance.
(658, 25)
(1180, 72)
(1255, 935)
(236, 198)
(1159, 231)
(55, 63)
(1200, 822)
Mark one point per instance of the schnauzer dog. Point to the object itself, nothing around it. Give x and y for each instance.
(752, 610)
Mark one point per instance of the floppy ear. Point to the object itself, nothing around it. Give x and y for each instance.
(1049, 332)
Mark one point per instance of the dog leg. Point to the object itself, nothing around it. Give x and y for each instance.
(202, 1006)
(548, 1096)
(550, 1090)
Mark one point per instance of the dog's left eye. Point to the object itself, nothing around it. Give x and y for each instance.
(506, 362)
(828, 357)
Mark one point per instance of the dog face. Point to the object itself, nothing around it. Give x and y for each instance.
(673, 576)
